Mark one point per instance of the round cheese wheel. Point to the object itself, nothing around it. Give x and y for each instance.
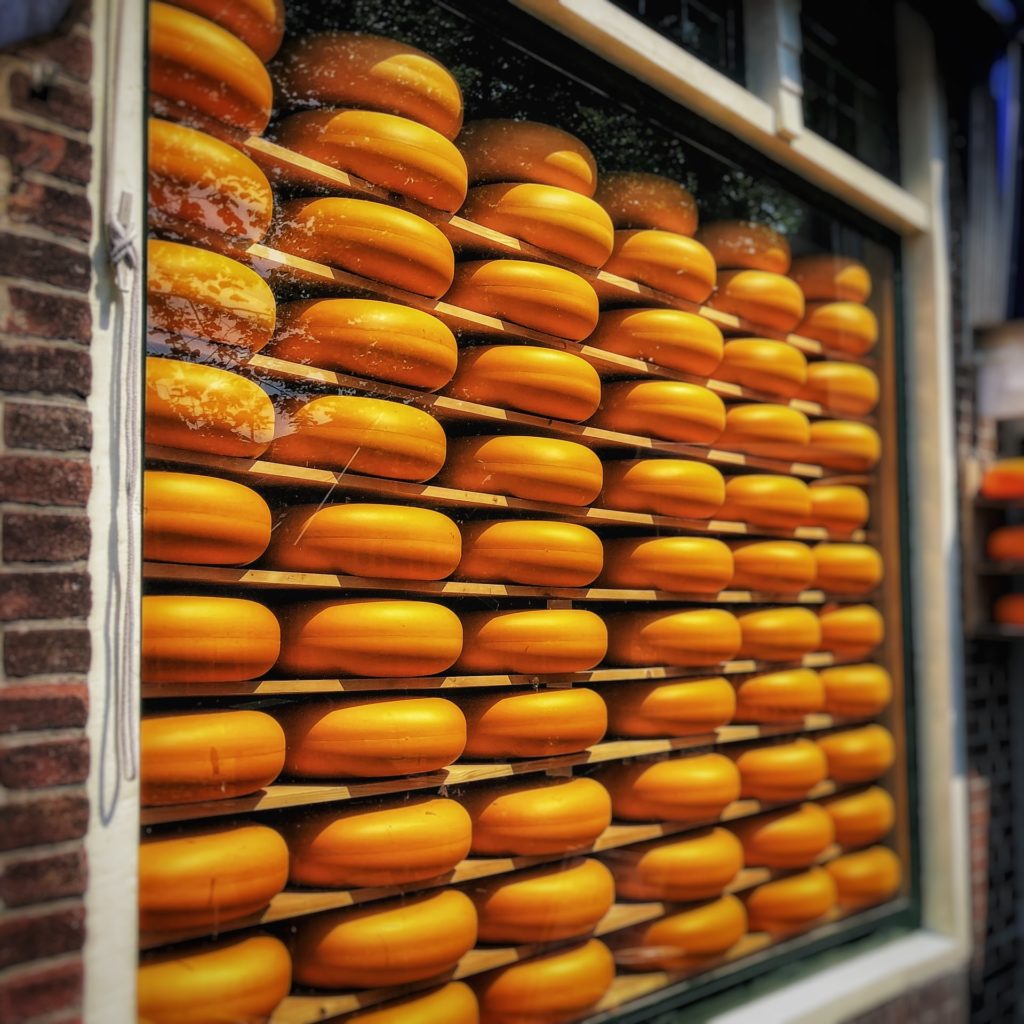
(742, 244)
(847, 568)
(699, 636)
(771, 366)
(361, 435)
(1008, 610)
(208, 755)
(544, 381)
(779, 696)
(375, 637)
(398, 542)
(672, 263)
(196, 66)
(536, 468)
(339, 69)
(692, 936)
(844, 388)
(761, 297)
(669, 337)
(832, 277)
(1004, 480)
(842, 326)
(851, 631)
(667, 409)
(420, 838)
(840, 508)
(770, 431)
(238, 979)
(779, 634)
(789, 839)
(859, 690)
(863, 817)
(454, 1003)
(537, 723)
(845, 445)
(390, 943)
(777, 566)
(765, 500)
(539, 640)
(371, 737)
(638, 199)
(205, 409)
(205, 876)
(696, 867)
(791, 904)
(668, 487)
(534, 552)
(866, 878)
(206, 639)
(563, 901)
(203, 190)
(511, 151)
(535, 295)
(690, 788)
(859, 755)
(685, 565)
(258, 23)
(202, 520)
(399, 154)
(677, 708)
(537, 817)
(557, 220)
(781, 771)
(1006, 544)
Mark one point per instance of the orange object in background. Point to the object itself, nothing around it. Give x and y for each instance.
(866, 878)
(781, 771)
(789, 839)
(638, 199)
(832, 277)
(861, 818)
(668, 337)
(1008, 610)
(668, 409)
(668, 487)
(699, 636)
(739, 244)
(767, 299)
(688, 938)
(859, 755)
(669, 708)
(685, 565)
(1004, 480)
(676, 264)
(791, 904)
(786, 696)
(1006, 544)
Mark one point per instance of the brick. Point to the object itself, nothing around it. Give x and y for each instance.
(42, 315)
(41, 879)
(34, 259)
(44, 819)
(69, 105)
(53, 209)
(72, 53)
(30, 149)
(39, 480)
(27, 937)
(34, 991)
(45, 368)
(52, 427)
(43, 706)
(44, 595)
(38, 537)
(46, 651)
(51, 763)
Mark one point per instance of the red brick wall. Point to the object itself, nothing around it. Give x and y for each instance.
(46, 112)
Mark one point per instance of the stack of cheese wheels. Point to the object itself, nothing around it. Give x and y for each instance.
(673, 708)
(1006, 544)
(836, 288)
(1008, 610)
(791, 904)
(1004, 480)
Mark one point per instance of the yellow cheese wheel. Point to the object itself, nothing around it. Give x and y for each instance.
(700, 636)
(764, 500)
(789, 839)
(537, 817)
(208, 755)
(759, 296)
(208, 875)
(833, 277)
(198, 67)
(668, 487)
(1004, 480)
(454, 1003)
(866, 878)
(238, 979)
(844, 388)
(368, 637)
(638, 199)
(397, 843)
(669, 337)
(544, 381)
(536, 468)
(551, 903)
(390, 943)
(202, 520)
(777, 566)
(692, 936)
(203, 190)
(510, 151)
(859, 755)
(535, 295)
(205, 409)
(779, 634)
(258, 23)
(669, 409)
(534, 552)
(845, 445)
(863, 817)
(771, 366)
(851, 631)
(770, 431)
(539, 640)
(739, 244)
(672, 263)
(675, 708)
(1008, 610)
(841, 326)
(781, 771)
(685, 565)
(841, 508)
(779, 696)
(398, 542)
(860, 690)
(847, 568)
(1006, 544)
(535, 723)
(361, 435)
(791, 904)
(338, 69)
(206, 639)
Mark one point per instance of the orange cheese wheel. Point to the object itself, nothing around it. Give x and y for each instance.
(779, 696)
(534, 295)
(203, 190)
(238, 979)
(202, 520)
(1008, 610)
(361, 435)
(669, 409)
(454, 1003)
(777, 566)
(536, 468)
(851, 631)
(779, 634)
(859, 755)
(781, 771)
(742, 244)
(370, 737)
(208, 875)
(557, 220)
(847, 568)
(683, 708)
(842, 326)
(701, 636)
(377, 845)
(789, 839)
(866, 878)
(687, 938)
(208, 755)
(545, 905)
(258, 23)
(538, 640)
(770, 431)
(696, 867)
(833, 277)
(1006, 544)
(535, 723)
(537, 817)
(206, 639)
(338, 69)
(638, 199)
(534, 552)
(205, 409)
(845, 445)
(838, 507)
(390, 943)
(845, 388)
(368, 637)
(544, 381)
(766, 500)
(196, 66)
(672, 263)
(388, 541)
(863, 817)
(859, 690)
(668, 487)
(1004, 480)
(764, 365)
(759, 296)
(685, 565)
(791, 904)
(504, 151)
